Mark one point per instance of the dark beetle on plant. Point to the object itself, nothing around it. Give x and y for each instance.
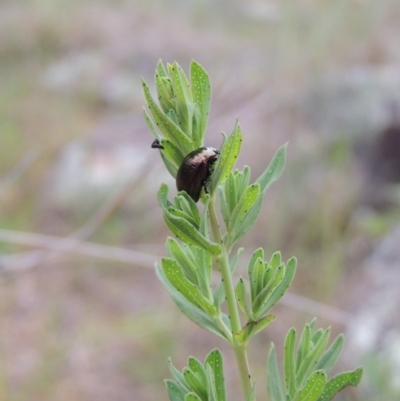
(195, 170)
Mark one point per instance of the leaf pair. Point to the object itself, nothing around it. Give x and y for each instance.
(198, 382)
(181, 117)
(183, 219)
(241, 203)
(307, 367)
(268, 283)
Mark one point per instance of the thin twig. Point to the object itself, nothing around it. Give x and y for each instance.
(143, 259)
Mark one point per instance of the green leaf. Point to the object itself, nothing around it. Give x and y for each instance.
(181, 257)
(278, 293)
(227, 159)
(310, 361)
(331, 354)
(271, 174)
(276, 260)
(313, 388)
(203, 261)
(192, 293)
(214, 359)
(274, 385)
(241, 298)
(241, 209)
(304, 345)
(194, 383)
(263, 296)
(249, 220)
(197, 368)
(184, 106)
(290, 363)
(172, 152)
(175, 392)
(338, 382)
(168, 128)
(212, 396)
(172, 211)
(274, 169)
(188, 234)
(254, 327)
(192, 397)
(177, 375)
(150, 124)
(164, 88)
(195, 314)
(252, 394)
(255, 278)
(201, 90)
(188, 205)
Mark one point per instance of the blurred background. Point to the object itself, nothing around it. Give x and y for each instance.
(82, 314)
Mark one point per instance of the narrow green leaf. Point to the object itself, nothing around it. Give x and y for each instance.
(274, 385)
(241, 298)
(194, 383)
(230, 195)
(150, 123)
(276, 260)
(268, 272)
(331, 354)
(249, 220)
(195, 314)
(192, 397)
(290, 363)
(172, 211)
(184, 106)
(316, 336)
(338, 382)
(214, 359)
(304, 346)
(263, 296)
(254, 327)
(255, 279)
(310, 361)
(224, 206)
(178, 280)
(177, 253)
(211, 391)
(252, 394)
(201, 90)
(278, 293)
(197, 368)
(187, 205)
(169, 129)
(245, 203)
(271, 174)
(177, 375)
(172, 152)
(274, 169)
(164, 91)
(245, 180)
(227, 159)
(175, 393)
(313, 388)
(203, 263)
(188, 233)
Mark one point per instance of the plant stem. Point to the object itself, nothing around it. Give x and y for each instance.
(223, 261)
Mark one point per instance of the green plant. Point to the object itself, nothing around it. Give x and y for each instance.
(179, 123)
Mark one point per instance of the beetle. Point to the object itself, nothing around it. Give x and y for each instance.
(195, 171)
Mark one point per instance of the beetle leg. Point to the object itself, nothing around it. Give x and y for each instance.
(156, 144)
